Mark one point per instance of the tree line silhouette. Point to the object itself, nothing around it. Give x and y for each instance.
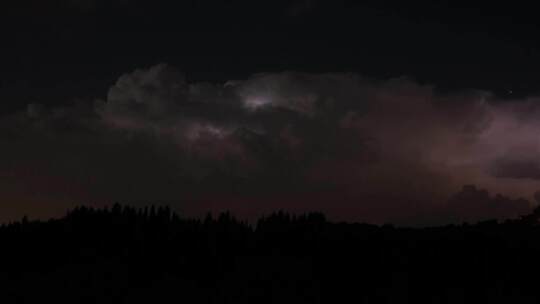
(152, 255)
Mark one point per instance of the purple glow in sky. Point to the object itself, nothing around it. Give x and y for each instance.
(340, 143)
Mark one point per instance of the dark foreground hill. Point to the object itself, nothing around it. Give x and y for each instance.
(124, 255)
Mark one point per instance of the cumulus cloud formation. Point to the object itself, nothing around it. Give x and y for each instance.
(473, 204)
(353, 147)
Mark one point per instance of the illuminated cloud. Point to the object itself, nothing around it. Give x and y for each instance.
(355, 148)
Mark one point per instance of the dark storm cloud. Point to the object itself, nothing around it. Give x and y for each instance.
(353, 147)
(516, 168)
(473, 204)
(159, 98)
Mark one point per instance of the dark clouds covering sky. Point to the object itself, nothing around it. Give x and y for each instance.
(366, 112)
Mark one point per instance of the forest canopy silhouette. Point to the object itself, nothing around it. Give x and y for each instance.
(123, 254)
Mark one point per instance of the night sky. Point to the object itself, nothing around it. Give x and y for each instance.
(376, 112)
